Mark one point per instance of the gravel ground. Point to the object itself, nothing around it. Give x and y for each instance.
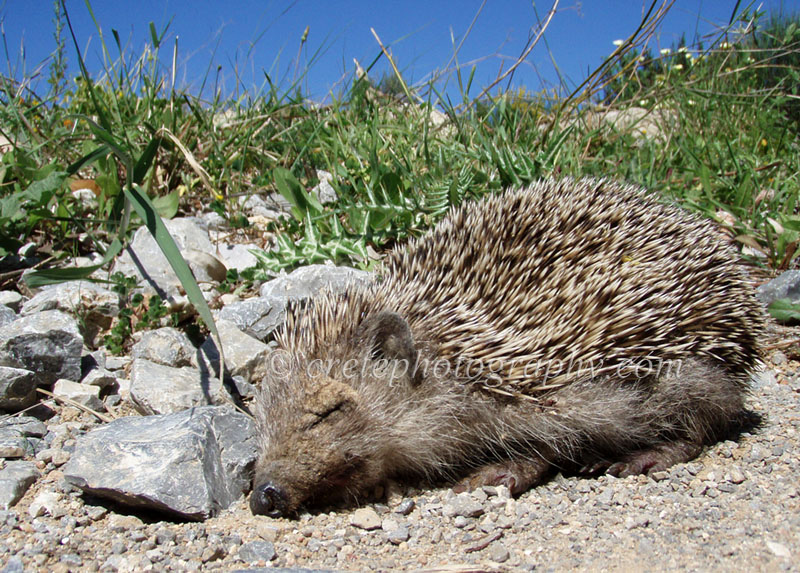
(735, 508)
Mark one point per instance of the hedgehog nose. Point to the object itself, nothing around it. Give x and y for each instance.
(268, 499)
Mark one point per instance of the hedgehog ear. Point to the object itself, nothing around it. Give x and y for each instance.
(389, 337)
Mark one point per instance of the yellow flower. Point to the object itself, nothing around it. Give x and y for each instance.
(763, 142)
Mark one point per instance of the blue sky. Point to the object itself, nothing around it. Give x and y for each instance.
(256, 36)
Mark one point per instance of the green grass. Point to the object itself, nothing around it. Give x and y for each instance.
(728, 148)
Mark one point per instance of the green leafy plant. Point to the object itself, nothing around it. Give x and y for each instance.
(137, 312)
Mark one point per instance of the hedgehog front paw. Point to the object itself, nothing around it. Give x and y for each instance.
(517, 475)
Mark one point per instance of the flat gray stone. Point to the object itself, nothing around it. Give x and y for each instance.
(101, 378)
(190, 464)
(17, 388)
(12, 299)
(269, 206)
(238, 256)
(144, 260)
(6, 316)
(311, 280)
(27, 426)
(243, 354)
(12, 447)
(84, 394)
(168, 346)
(463, 505)
(365, 518)
(787, 285)
(96, 305)
(258, 317)
(15, 479)
(48, 343)
(159, 389)
(255, 551)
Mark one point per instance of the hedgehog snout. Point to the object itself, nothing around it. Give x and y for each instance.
(269, 499)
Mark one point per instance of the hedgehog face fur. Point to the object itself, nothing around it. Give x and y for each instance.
(573, 323)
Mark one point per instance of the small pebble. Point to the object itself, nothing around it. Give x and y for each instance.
(365, 518)
(405, 507)
(464, 505)
(779, 549)
(498, 553)
(398, 536)
(255, 551)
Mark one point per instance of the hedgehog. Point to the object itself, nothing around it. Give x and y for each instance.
(576, 325)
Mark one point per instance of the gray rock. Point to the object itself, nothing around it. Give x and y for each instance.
(15, 479)
(238, 256)
(642, 124)
(47, 503)
(167, 346)
(324, 190)
(243, 387)
(365, 518)
(83, 394)
(12, 299)
(97, 306)
(787, 285)
(311, 280)
(255, 551)
(397, 536)
(117, 362)
(14, 565)
(12, 446)
(190, 464)
(7, 316)
(17, 388)
(143, 258)
(48, 343)
(405, 507)
(213, 221)
(243, 353)
(779, 549)
(159, 389)
(270, 206)
(498, 553)
(101, 378)
(258, 317)
(464, 505)
(26, 426)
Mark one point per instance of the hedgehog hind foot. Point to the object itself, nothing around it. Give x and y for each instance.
(648, 461)
(518, 475)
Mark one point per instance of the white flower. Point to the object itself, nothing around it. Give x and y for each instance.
(724, 45)
(666, 51)
(682, 49)
(618, 43)
(677, 67)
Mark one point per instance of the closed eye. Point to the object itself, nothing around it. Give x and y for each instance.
(319, 417)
